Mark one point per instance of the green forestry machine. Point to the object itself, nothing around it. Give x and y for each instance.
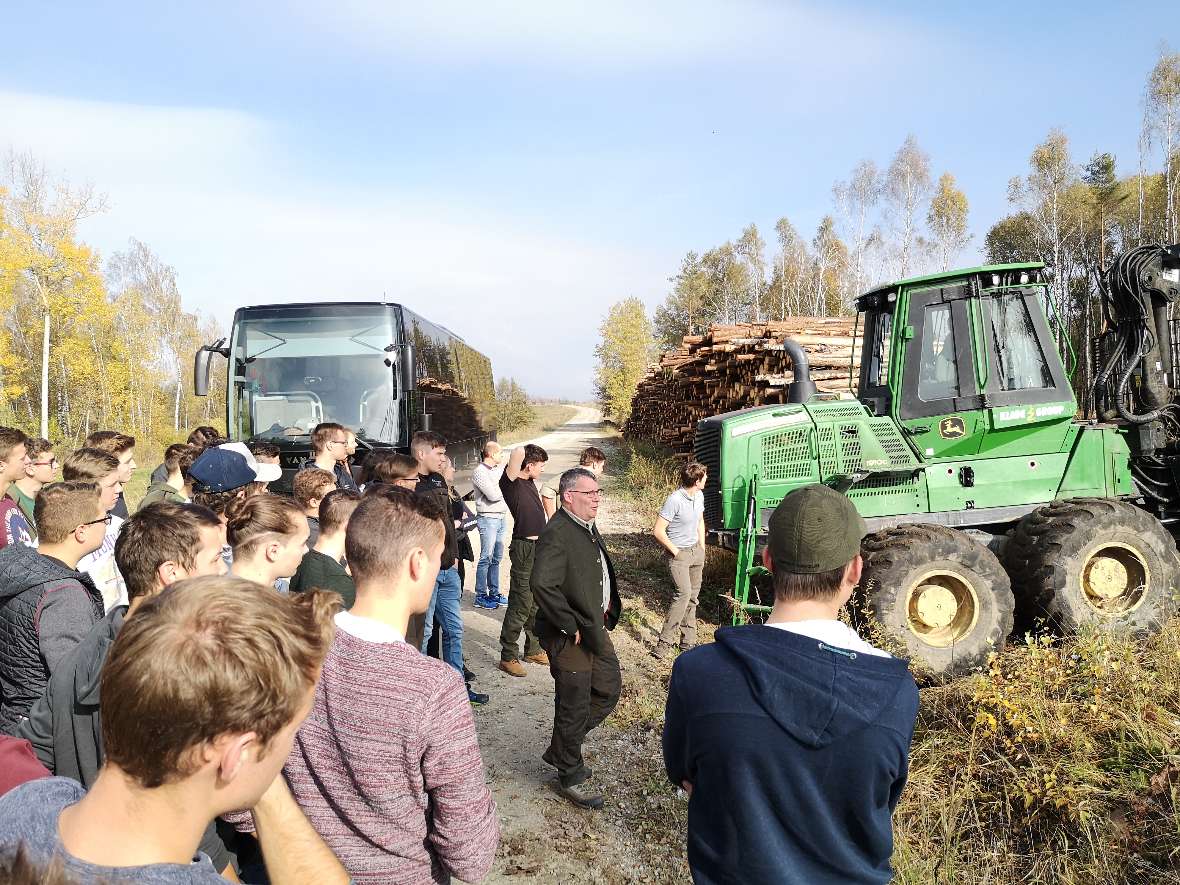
(990, 502)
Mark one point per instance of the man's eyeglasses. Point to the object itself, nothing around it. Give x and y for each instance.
(597, 493)
(50, 463)
(338, 442)
(106, 520)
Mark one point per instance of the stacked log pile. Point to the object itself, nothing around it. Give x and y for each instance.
(734, 367)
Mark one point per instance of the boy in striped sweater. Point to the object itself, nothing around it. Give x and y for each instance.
(387, 767)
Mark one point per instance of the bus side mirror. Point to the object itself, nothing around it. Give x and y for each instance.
(201, 373)
(202, 367)
(408, 365)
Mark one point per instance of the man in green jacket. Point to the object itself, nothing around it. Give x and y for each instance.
(573, 583)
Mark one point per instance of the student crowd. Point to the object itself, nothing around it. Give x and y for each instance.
(159, 669)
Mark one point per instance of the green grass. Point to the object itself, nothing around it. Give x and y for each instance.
(546, 418)
(134, 491)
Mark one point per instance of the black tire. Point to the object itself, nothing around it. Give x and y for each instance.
(1055, 551)
(949, 565)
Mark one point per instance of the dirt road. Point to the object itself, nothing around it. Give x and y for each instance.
(545, 839)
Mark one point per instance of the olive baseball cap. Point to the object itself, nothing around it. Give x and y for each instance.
(814, 529)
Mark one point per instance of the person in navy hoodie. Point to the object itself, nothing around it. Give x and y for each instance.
(792, 738)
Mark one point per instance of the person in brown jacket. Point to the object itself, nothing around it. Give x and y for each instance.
(573, 582)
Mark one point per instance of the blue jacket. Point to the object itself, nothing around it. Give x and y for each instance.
(797, 753)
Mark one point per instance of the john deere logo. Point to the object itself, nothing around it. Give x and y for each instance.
(952, 428)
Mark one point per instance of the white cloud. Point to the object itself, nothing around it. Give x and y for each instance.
(202, 187)
(609, 33)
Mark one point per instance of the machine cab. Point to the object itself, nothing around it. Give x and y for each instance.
(966, 362)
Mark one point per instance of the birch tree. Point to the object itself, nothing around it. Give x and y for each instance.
(907, 188)
(1162, 125)
(856, 200)
(947, 222)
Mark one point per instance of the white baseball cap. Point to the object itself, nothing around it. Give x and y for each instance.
(262, 472)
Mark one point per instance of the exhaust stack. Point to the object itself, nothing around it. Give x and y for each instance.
(802, 388)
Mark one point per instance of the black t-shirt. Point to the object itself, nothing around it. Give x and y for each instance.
(433, 485)
(524, 503)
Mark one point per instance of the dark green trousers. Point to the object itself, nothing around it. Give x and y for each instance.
(522, 609)
(586, 688)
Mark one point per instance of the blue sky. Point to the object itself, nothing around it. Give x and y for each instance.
(510, 169)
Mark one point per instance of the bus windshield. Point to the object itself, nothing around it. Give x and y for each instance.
(295, 367)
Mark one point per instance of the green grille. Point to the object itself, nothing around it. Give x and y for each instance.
(787, 456)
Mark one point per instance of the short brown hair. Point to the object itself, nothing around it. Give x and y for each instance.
(10, 438)
(110, 441)
(207, 657)
(591, 455)
(175, 452)
(388, 524)
(692, 473)
(322, 434)
(391, 468)
(533, 454)
(185, 460)
(252, 520)
(792, 587)
(425, 440)
(161, 532)
(36, 446)
(311, 482)
(203, 436)
(218, 502)
(336, 509)
(261, 448)
(89, 465)
(61, 507)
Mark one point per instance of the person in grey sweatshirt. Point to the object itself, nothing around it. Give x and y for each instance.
(490, 513)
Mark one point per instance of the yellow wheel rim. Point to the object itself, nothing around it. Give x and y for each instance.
(941, 608)
(1114, 578)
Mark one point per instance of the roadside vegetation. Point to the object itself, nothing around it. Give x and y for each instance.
(1059, 762)
(544, 418)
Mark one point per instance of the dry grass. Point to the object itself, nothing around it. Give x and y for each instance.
(1061, 763)
(547, 417)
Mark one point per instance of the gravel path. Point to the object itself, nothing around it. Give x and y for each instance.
(545, 839)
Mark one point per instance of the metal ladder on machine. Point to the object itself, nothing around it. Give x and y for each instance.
(747, 567)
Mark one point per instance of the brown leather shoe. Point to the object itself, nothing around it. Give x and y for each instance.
(583, 795)
(539, 658)
(513, 668)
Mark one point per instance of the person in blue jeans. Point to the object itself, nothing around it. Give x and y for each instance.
(430, 450)
(490, 511)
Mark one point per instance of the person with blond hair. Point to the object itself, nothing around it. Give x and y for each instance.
(202, 694)
(122, 446)
(103, 469)
(329, 448)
